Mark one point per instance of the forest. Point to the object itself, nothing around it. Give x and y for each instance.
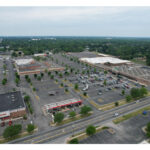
(125, 48)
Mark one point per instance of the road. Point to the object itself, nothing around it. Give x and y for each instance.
(97, 119)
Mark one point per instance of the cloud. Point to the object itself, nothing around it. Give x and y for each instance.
(75, 20)
(56, 13)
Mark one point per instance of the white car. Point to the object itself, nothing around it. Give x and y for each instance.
(116, 114)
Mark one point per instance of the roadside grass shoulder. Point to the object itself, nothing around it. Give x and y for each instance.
(68, 120)
(21, 135)
(130, 115)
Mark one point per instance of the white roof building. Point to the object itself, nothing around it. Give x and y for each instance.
(103, 60)
(42, 54)
(24, 61)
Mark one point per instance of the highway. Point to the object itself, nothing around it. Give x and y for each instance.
(97, 119)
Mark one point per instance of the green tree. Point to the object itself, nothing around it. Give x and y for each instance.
(85, 110)
(90, 130)
(105, 72)
(105, 82)
(28, 80)
(26, 98)
(61, 84)
(128, 98)
(58, 117)
(12, 131)
(148, 59)
(135, 93)
(4, 81)
(83, 72)
(49, 73)
(35, 75)
(39, 78)
(17, 81)
(74, 141)
(95, 70)
(143, 91)
(116, 104)
(42, 74)
(60, 75)
(66, 89)
(52, 76)
(148, 130)
(30, 128)
(34, 89)
(4, 66)
(123, 92)
(84, 93)
(71, 70)
(26, 77)
(72, 114)
(56, 72)
(76, 86)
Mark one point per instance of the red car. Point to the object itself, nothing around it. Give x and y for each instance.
(2, 124)
(10, 123)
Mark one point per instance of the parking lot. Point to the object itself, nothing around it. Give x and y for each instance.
(127, 132)
(6, 73)
(136, 70)
(92, 82)
(48, 90)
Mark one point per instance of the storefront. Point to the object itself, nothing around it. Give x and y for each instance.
(4, 115)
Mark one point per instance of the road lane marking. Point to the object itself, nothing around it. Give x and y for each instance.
(97, 118)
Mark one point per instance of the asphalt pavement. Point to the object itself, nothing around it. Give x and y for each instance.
(46, 136)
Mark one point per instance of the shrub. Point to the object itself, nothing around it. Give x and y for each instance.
(30, 128)
(74, 141)
(12, 131)
(58, 117)
(128, 98)
(116, 104)
(72, 114)
(85, 110)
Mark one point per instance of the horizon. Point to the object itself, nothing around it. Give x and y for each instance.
(74, 36)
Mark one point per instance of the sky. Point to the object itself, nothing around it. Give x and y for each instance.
(75, 21)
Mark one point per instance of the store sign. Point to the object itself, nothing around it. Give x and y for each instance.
(4, 114)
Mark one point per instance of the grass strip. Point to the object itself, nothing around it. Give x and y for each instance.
(77, 117)
(94, 104)
(23, 134)
(130, 115)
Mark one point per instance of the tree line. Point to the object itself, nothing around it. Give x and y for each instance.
(125, 48)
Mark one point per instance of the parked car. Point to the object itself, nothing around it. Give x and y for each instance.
(99, 93)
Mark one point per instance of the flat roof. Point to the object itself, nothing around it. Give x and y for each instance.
(40, 54)
(103, 60)
(23, 61)
(11, 101)
(62, 103)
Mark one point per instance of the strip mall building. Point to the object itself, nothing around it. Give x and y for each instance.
(12, 106)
